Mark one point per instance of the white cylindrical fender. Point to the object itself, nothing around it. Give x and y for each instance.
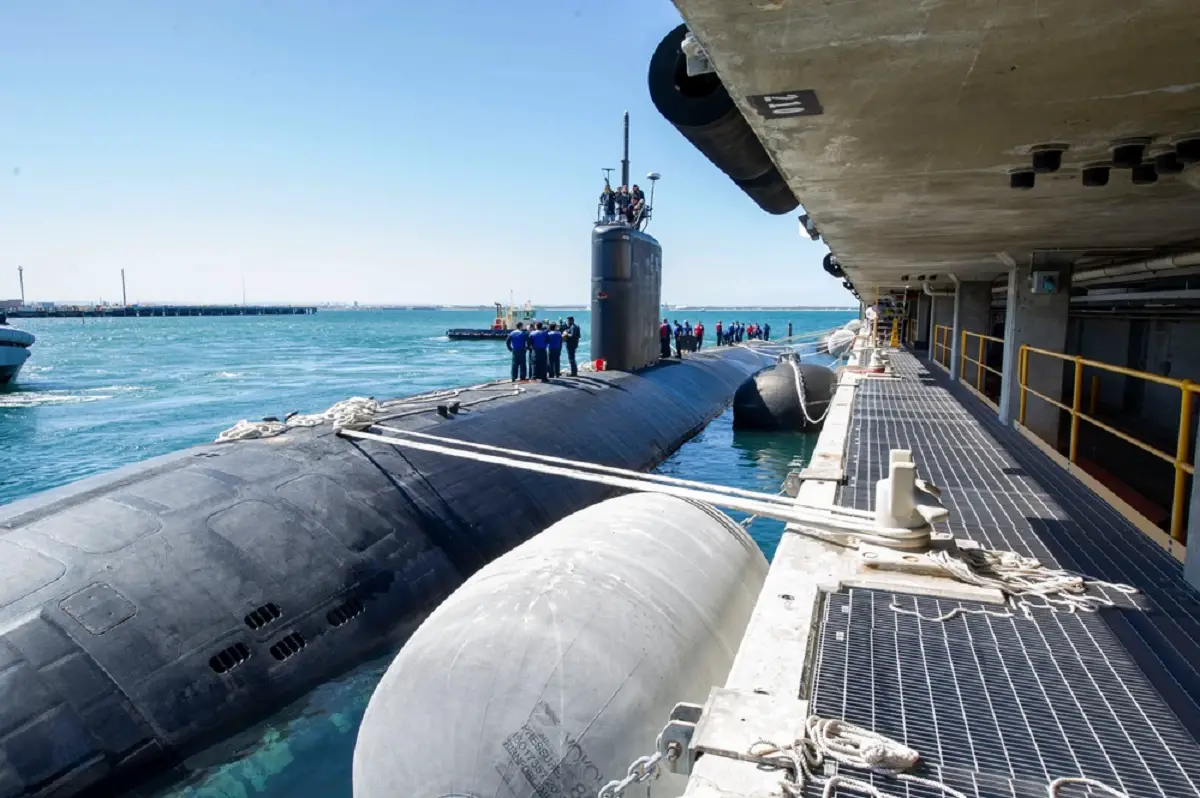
(839, 342)
(854, 325)
(555, 666)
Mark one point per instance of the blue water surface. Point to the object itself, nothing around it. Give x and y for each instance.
(100, 393)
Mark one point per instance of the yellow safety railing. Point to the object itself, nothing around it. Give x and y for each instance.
(940, 346)
(967, 344)
(1179, 459)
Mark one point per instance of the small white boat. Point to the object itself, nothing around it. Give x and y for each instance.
(14, 350)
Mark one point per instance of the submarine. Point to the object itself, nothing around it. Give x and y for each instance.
(551, 669)
(153, 612)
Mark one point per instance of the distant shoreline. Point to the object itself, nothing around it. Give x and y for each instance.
(35, 307)
(693, 308)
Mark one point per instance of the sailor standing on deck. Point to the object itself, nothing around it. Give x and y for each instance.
(678, 340)
(516, 343)
(538, 342)
(571, 339)
(608, 200)
(664, 339)
(698, 331)
(719, 333)
(554, 340)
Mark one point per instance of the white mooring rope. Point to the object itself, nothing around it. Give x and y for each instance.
(818, 520)
(1025, 582)
(1052, 790)
(1020, 579)
(354, 413)
(800, 392)
(587, 466)
(862, 749)
(848, 745)
(362, 412)
(762, 504)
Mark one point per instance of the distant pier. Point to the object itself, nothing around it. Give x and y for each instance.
(79, 312)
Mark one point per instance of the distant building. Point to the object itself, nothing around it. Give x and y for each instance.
(10, 304)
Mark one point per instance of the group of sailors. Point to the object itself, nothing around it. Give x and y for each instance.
(624, 204)
(689, 339)
(738, 332)
(537, 351)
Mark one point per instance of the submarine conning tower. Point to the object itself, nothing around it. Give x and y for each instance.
(626, 296)
(626, 280)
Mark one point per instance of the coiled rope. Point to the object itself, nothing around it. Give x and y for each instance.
(846, 744)
(354, 413)
(1020, 579)
(362, 412)
(862, 749)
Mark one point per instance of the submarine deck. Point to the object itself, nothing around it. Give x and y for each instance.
(995, 706)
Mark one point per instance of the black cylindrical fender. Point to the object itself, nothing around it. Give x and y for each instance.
(701, 109)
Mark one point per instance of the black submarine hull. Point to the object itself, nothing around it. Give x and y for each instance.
(477, 335)
(152, 612)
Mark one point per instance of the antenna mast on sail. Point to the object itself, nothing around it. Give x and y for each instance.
(625, 160)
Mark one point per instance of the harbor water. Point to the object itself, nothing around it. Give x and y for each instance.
(101, 393)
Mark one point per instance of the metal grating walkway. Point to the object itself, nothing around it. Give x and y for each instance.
(997, 706)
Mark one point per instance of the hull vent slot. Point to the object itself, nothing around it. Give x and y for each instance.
(288, 647)
(344, 613)
(227, 659)
(266, 614)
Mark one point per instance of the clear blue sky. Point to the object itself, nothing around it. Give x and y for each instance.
(445, 151)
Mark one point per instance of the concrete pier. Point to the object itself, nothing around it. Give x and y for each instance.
(996, 706)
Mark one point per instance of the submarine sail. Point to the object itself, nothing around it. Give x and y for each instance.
(626, 277)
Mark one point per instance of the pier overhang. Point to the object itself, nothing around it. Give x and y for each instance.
(914, 115)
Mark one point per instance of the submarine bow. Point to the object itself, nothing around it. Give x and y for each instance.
(152, 612)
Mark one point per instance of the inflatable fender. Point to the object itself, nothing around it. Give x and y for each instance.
(770, 400)
(701, 109)
(558, 664)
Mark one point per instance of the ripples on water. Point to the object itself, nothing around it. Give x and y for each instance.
(101, 393)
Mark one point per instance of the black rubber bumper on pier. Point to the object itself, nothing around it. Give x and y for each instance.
(156, 610)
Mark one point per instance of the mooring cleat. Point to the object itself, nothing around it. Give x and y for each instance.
(903, 501)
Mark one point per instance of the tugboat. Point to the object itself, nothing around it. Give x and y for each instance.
(14, 350)
(505, 321)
